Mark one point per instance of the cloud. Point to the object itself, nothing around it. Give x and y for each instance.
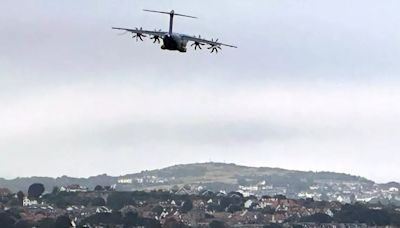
(274, 124)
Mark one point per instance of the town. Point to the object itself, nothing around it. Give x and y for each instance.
(189, 206)
(322, 190)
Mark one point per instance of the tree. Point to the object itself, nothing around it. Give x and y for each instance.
(46, 223)
(361, 213)
(117, 200)
(187, 206)
(158, 210)
(63, 222)
(214, 207)
(23, 224)
(233, 208)
(317, 218)
(98, 188)
(225, 202)
(56, 190)
(217, 224)
(272, 225)
(98, 202)
(6, 221)
(20, 196)
(35, 190)
(108, 188)
(130, 219)
(173, 223)
(15, 213)
(104, 218)
(149, 223)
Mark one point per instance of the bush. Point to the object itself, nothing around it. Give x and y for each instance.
(46, 223)
(318, 218)
(35, 190)
(187, 206)
(217, 224)
(118, 200)
(360, 213)
(98, 202)
(63, 222)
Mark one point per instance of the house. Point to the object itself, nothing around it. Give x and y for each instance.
(164, 214)
(244, 193)
(103, 209)
(281, 208)
(125, 181)
(26, 202)
(329, 212)
(343, 199)
(185, 190)
(73, 188)
(248, 204)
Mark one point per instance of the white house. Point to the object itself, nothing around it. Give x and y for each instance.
(27, 202)
(248, 203)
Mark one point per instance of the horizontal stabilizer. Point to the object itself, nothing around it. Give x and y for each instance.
(172, 13)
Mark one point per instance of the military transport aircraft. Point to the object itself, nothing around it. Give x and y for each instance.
(174, 41)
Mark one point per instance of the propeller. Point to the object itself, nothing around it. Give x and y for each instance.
(156, 38)
(139, 35)
(196, 45)
(214, 47)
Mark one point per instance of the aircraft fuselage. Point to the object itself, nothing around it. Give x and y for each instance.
(174, 42)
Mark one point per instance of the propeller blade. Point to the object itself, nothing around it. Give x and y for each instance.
(196, 45)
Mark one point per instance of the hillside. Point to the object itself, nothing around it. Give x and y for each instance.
(23, 183)
(214, 176)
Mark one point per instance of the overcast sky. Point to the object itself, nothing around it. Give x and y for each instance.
(314, 85)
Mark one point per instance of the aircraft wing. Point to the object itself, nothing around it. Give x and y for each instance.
(141, 31)
(204, 41)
